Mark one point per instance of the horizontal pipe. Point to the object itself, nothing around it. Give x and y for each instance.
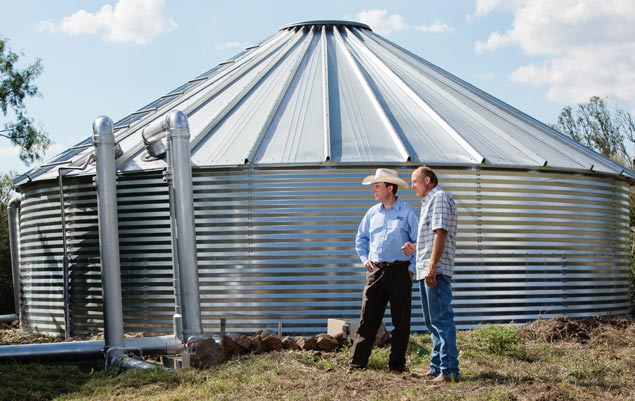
(126, 362)
(155, 131)
(8, 318)
(168, 345)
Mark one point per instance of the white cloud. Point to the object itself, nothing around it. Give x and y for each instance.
(494, 41)
(135, 21)
(587, 46)
(382, 23)
(436, 27)
(46, 26)
(484, 7)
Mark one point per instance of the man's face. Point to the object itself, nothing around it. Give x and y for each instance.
(420, 184)
(381, 191)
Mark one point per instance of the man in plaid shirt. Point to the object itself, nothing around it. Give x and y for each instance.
(435, 248)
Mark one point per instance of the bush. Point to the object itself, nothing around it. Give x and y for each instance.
(496, 339)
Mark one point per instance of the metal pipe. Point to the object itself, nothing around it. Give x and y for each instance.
(8, 318)
(179, 178)
(13, 212)
(152, 135)
(104, 142)
(114, 347)
(180, 162)
(127, 362)
(168, 345)
(65, 269)
(177, 318)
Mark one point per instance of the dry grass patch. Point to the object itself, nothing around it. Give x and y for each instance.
(550, 359)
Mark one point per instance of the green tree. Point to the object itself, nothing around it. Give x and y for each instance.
(16, 84)
(594, 125)
(6, 283)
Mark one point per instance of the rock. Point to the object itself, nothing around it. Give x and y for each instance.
(382, 336)
(272, 342)
(257, 345)
(342, 340)
(307, 344)
(264, 333)
(244, 342)
(289, 343)
(326, 343)
(206, 353)
(231, 347)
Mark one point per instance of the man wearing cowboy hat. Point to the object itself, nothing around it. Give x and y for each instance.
(384, 230)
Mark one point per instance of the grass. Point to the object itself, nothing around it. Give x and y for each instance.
(496, 340)
(498, 362)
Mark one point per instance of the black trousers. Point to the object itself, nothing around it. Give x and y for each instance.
(389, 284)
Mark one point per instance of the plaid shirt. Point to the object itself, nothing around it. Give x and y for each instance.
(438, 210)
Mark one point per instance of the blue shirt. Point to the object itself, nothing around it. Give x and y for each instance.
(382, 233)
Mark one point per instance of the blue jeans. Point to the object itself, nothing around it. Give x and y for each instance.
(439, 318)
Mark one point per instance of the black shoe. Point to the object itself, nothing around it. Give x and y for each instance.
(396, 369)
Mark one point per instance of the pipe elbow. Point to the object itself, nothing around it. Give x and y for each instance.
(15, 201)
(155, 131)
(177, 120)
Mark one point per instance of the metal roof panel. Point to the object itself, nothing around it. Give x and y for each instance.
(334, 91)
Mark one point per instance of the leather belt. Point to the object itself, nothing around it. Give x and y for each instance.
(398, 263)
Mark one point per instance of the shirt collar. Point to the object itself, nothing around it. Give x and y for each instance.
(395, 206)
(431, 193)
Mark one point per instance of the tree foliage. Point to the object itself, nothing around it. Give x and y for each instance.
(16, 84)
(594, 125)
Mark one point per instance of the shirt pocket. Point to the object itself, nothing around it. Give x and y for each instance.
(395, 224)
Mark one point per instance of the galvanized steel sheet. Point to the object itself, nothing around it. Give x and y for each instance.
(277, 245)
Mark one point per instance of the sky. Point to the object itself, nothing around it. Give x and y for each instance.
(112, 57)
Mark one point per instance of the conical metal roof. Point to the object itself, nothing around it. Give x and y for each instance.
(334, 92)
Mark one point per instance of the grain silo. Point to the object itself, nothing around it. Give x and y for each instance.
(281, 136)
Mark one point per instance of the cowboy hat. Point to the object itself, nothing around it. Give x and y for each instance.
(385, 175)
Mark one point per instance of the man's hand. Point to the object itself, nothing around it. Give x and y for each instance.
(409, 248)
(431, 276)
(438, 245)
(370, 266)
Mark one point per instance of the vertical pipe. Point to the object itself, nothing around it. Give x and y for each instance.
(177, 318)
(13, 212)
(179, 159)
(104, 142)
(65, 271)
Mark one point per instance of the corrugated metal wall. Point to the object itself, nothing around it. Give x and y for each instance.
(277, 245)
